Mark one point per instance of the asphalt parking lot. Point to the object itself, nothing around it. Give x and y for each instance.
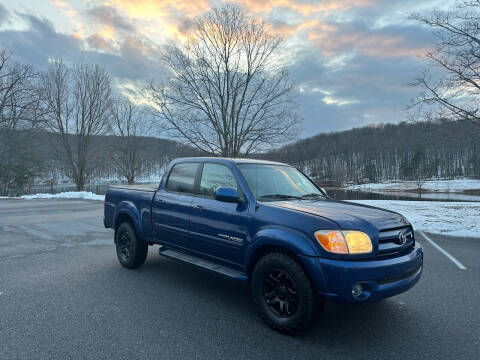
(63, 295)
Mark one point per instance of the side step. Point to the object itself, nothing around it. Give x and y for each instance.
(219, 269)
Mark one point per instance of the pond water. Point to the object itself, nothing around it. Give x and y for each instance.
(342, 194)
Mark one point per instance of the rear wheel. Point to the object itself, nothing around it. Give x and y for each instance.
(131, 251)
(283, 293)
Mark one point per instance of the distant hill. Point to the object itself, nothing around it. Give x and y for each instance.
(407, 151)
(30, 157)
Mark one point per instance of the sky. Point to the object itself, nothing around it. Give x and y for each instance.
(351, 60)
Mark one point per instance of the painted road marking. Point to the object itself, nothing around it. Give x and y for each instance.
(443, 251)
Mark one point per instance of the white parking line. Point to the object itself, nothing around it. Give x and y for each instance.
(444, 252)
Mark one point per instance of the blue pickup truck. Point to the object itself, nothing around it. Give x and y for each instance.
(268, 224)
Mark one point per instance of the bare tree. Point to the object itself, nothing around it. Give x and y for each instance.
(18, 101)
(130, 125)
(227, 94)
(19, 115)
(455, 94)
(77, 102)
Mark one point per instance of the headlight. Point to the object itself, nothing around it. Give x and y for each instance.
(344, 242)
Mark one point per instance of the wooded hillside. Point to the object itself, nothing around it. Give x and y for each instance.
(38, 158)
(409, 151)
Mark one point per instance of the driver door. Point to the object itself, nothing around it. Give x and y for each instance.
(219, 228)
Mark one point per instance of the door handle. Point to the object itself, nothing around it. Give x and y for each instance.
(197, 207)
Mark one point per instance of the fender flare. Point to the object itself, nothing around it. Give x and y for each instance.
(291, 240)
(296, 243)
(128, 208)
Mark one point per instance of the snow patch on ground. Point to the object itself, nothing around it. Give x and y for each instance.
(455, 185)
(66, 195)
(445, 218)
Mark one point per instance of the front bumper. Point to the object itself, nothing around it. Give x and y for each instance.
(334, 279)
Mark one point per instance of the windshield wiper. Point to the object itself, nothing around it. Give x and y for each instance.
(280, 196)
(312, 195)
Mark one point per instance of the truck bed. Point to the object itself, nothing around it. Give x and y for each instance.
(138, 187)
(123, 199)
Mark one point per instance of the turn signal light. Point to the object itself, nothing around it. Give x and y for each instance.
(344, 242)
(332, 241)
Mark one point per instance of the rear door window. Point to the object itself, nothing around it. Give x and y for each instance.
(182, 178)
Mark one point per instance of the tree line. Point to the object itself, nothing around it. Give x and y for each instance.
(409, 151)
(38, 165)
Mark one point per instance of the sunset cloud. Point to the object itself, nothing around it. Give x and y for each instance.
(350, 60)
(380, 43)
(109, 16)
(152, 9)
(99, 42)
(304, 7)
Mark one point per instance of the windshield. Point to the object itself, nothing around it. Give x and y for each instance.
(277, 182)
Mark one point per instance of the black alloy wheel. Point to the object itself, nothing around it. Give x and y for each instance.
(124, 245)
(131, 251)
(280, 293)
(283, 293)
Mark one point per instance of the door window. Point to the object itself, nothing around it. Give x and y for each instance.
(182, 178)
(215, 176)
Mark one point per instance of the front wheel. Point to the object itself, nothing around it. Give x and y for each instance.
(283, 293)
(131, 251)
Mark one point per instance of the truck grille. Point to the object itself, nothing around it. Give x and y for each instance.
(395, 240)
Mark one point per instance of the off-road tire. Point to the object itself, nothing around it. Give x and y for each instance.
(131, 251)
(309, 305)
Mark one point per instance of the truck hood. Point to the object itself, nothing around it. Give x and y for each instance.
(348, 215)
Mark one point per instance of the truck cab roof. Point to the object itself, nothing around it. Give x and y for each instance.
(228, 160)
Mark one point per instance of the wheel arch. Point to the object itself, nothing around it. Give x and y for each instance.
(121, 218)
(265, 249)
(127, 214)
(281, 238)
(294, 246)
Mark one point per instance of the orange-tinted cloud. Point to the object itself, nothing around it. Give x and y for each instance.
(286, 30)
(160, 21)
(98, 42)
(170, 16)
(303, 7)
(71, 14)
(334, 41)
(153, 9)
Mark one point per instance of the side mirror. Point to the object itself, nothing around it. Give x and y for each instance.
(324, 191)
(226, 194)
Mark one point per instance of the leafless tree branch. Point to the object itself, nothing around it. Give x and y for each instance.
(455, 93)
(19, 114)
(226, 94)
(131, 125)
(77, 103)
